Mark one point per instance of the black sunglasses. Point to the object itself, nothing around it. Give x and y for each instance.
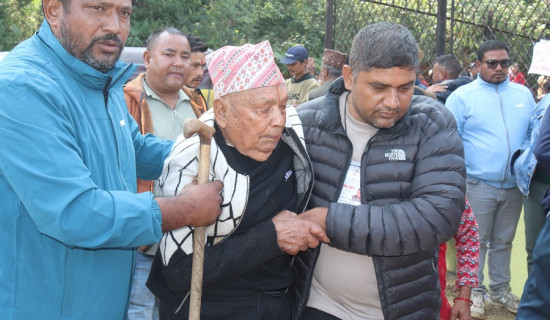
(492, 64)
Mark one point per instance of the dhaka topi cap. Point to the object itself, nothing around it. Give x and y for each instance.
(235, 69)
(334, 58)
(293, 54)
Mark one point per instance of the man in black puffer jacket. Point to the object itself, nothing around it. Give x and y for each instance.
(389, 168)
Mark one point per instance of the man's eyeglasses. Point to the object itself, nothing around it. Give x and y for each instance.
(492, 64)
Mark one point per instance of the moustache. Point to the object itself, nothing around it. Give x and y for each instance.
(108, 37)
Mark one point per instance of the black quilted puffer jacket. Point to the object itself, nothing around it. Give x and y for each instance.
(412, 195)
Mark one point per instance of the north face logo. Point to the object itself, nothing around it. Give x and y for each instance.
(288, 174)
(395, 154)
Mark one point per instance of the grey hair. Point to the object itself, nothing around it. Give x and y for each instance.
(333, 72)
(383, 45)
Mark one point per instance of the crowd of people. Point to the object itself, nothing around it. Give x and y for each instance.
(330, 195)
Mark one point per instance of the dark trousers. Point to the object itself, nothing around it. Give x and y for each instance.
(315, 314)
(533, 216)
(274, 305)
(535, 300)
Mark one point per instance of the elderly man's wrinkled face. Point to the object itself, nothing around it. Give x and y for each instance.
(94, 31)
(379, 97)
(253, 120)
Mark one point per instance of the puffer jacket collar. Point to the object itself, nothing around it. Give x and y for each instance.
(81, 71)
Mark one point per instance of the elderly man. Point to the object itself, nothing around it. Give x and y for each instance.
(258, 151)
(389, 172)
(157, 102)
(331, 69)
(70, 152)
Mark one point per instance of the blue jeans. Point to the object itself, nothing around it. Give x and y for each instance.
(143, 305)
(497, 213)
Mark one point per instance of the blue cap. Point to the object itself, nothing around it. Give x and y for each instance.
(297, 53)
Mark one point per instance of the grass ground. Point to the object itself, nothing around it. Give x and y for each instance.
(491, 312)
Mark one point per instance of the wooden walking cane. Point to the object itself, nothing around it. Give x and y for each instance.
(205, 132)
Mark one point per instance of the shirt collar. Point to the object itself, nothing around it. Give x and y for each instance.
(151, 93)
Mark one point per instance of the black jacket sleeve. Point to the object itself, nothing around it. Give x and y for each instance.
(229, 259)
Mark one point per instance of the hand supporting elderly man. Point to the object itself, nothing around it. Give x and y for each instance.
(295, 236)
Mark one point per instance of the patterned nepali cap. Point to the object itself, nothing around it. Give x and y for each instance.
(334, 58)
(235, 69)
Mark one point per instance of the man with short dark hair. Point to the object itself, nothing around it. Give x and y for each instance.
(331, 68)
(301, 81)
(197, 66)
(389, 173)
(70, 157)
(492, 116)
(446, 77)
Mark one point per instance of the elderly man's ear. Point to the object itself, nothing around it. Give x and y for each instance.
(220, 112)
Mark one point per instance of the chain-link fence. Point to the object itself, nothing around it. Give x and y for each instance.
(445, 26)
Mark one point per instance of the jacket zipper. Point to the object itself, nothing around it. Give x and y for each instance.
(507, 137)
(106, 99)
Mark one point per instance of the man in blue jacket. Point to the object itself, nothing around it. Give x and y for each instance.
(492, 117)
(71, 218)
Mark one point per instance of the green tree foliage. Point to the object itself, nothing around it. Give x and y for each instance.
(284, 23)
(150, 15)
(19, 20)
(302, 22)
(518, 23)
(218, 22)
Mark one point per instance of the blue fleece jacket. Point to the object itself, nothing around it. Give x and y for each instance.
(493, 122)
(524, 162)
(68, 161)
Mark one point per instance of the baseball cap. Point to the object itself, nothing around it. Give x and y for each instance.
(297, 53)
